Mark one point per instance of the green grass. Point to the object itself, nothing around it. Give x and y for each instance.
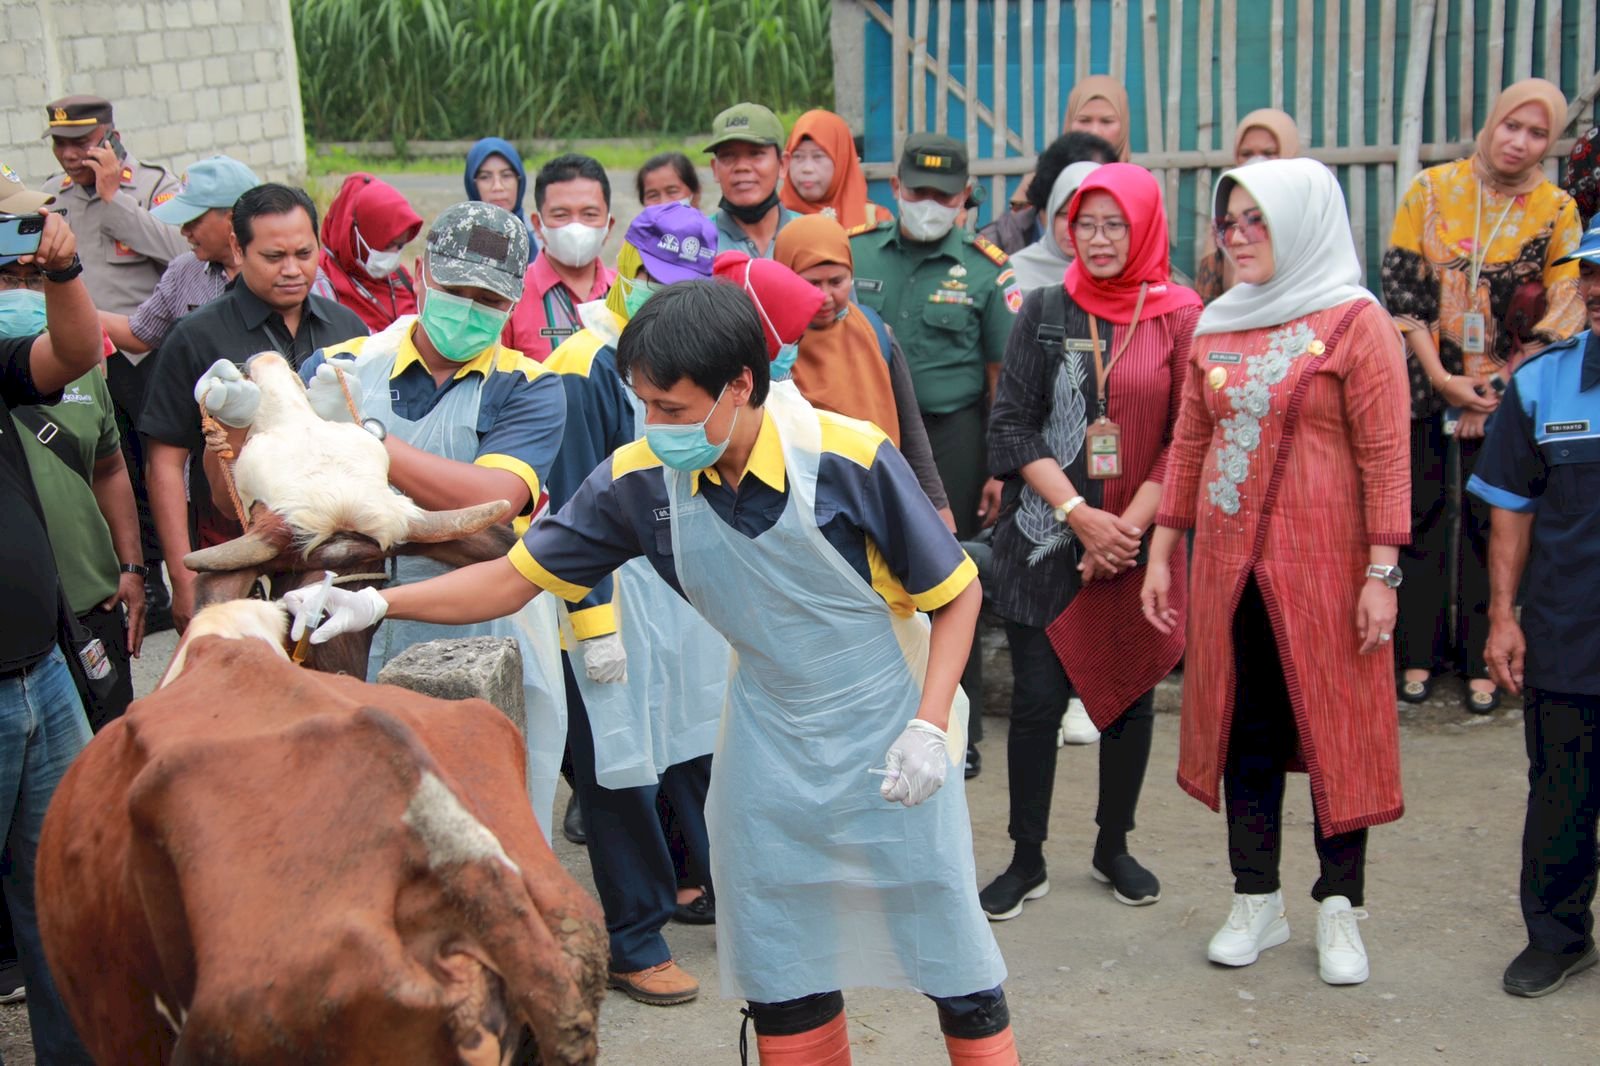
(614, 155)
(404, 70)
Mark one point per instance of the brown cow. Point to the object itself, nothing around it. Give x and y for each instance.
(263, 864)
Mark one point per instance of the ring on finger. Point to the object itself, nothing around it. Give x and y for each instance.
(1383, 638)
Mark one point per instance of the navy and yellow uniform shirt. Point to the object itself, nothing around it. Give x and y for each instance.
(869, 508)
(1542, 456)
(521, 410)
(599, 421)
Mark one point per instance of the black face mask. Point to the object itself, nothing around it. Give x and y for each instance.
(754, 213)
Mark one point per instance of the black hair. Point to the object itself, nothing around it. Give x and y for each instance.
(678, 162)
(570, 167)
(1078, 146)
(269, 199)
(706, 331)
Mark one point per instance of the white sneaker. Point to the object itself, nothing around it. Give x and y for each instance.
(1076, 726)
(1255, 924)
(1341, 957)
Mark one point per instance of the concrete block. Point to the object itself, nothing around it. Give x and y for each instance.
(89, 54)
(181, 108)
(255, 98)
(224, 129)
(231, 100)
(249, 127)
(109, 84)
(274, 124)
(488, 668)
(129, 17)
(218, 72)
(136, 81)
(204, 12)
(208, 104)
(223, 40)
(191, 75)
(177, 15)
(266, 65)
(150, 47)
(230, 12)
(155, 16)
(23, 23)
(172, 142)
(165, 79)
(196, 139)
(197, 43)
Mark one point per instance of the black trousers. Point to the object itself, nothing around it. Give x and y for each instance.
(1424, 637)
(969, 1017)
(1261, 742)
(1559, 851)
(127, 383)
(956, 440)
(112, 629)
(1039, 693)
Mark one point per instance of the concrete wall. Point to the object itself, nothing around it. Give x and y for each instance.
(188, 79)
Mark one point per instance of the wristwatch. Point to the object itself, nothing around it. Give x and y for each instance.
(66, 273)
(1067, 508)
(134, 568)
(1389, 575)
(376, 428)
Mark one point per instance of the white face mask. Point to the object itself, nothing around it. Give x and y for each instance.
(927, 220)
(377, 264)
(574, 245)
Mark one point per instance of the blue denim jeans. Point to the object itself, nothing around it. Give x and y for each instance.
(42, 729)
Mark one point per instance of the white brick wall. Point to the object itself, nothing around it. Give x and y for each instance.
(188, 79)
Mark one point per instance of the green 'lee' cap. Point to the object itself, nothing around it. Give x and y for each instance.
(746, 122)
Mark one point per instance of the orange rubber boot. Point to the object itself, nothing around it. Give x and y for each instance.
(826, 1045)
(997, 1050)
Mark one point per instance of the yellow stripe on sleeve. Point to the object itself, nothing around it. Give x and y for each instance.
(512, 465)
(591, 622)
(949, 588)
(529, 568)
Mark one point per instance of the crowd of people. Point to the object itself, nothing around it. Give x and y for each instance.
(762, 460)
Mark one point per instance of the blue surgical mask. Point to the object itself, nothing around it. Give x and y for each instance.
(783, 362)
(686, 447)
(21, 313)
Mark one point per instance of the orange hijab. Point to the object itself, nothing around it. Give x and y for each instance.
(1103, 87)
(841, 367)
(847, 192)
(1527, 91)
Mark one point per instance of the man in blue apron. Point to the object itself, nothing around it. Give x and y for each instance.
(644, 700)
(465, 421)
(804, 538)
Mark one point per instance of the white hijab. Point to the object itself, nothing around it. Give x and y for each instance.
(1314, 255)
(1043, 262)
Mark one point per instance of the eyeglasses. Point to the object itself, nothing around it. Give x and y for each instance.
(1252, 225)
(31, 280)
(1085, 228)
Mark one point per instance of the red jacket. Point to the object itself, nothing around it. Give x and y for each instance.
(382, 216)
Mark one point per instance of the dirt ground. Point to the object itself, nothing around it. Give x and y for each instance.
(1093, 981)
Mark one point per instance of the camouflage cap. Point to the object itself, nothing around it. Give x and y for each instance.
(479, 245)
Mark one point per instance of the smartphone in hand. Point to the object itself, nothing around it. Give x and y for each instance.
(20, 234)
(114, 142)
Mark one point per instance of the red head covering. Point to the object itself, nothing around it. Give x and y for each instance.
(785, 302)
(382, 215)
(1136, 191)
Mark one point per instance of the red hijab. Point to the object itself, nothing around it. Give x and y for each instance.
(1139, 195)
(382, 215)
(785, 302)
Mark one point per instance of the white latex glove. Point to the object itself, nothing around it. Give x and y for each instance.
(327, 395)
(917, 764)
(604, 660)
(228, 395)
(348, 612)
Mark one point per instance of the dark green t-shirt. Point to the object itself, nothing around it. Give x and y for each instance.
(78, 531)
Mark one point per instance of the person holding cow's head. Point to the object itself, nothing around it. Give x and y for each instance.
(803, 538)
(42, 723)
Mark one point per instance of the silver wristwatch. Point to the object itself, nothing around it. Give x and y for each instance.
(376, 428)
(1389, 575)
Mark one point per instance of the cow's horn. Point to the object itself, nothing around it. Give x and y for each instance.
(434, 527)
(263, 542)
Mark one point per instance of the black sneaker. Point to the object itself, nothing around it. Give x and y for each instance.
(572, 822)
(702, 910)
(1537, 973)
(11, 987)
(1130, 883)
(1004, 897)
(157, 606)
(974, 762)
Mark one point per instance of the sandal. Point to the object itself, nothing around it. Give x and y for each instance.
(1483, 702)
(1416, 691)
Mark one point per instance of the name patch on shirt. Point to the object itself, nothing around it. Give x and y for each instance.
(556, 331)
(1078, 345)
(1227, 357)
(663, 514)
(1567, 427)
(869, 285)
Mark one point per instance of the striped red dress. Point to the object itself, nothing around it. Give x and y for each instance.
(1291, 459)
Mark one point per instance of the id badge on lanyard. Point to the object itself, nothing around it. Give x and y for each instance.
(1103, 446)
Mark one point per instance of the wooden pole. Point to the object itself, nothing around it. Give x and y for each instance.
(1466, 93)
(1496, 35)
(1304, 42)
(1204, 128)
(1052, 70)
(1275, 46)
(1522, 43)
(1025, 67)
(969, 59)
(1438, 90)
(919, 64)
(1357, 181)
(1329, 61)
(1119, 40)
(1230, 69)
(901, 36)
(1411, 98)
(1551, 65)
(1586, 33)
(1386, 24)
(1174, 95)
(1002, 130)
(941, 107)
(1154, 141)
(1082, 39)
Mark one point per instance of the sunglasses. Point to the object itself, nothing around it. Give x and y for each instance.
(1252, 225)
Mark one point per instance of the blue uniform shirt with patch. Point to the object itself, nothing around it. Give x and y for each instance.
(1542, 456)
(521, 411)
(869, 508)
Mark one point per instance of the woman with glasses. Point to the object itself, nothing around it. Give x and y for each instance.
(1289, 464)
(1079, 432)
(1263, 134)
(824, 174)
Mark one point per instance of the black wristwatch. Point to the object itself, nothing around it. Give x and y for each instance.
(134, 568)
(66, 273)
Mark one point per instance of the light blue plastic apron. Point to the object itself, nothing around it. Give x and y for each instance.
(821, 884)
(450, 431)
(668, 710)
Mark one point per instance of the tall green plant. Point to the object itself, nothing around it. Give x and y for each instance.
(448, 69)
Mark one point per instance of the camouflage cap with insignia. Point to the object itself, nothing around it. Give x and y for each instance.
(16, 198)
(933, 161)
(77, 116)
(477, 244)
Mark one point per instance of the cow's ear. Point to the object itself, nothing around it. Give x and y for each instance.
(491, 543)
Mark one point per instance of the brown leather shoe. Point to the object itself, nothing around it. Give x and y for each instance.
(659, 986)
